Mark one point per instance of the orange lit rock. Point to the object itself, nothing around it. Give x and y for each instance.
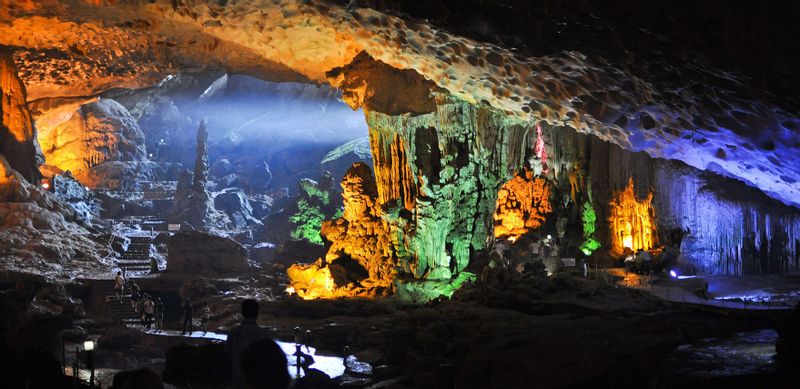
(359, 261)
(395, 180)
(522, 205)
(17, 133)
(81, 139)
(632, 221)
(373, 84)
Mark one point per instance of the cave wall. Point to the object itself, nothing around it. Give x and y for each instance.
(719, 225)
(669, 103)
(437, 177)
(428, 209)
(17, 133)
(83, 139)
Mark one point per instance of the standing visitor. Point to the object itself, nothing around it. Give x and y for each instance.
(136, 294)
(119, 284)
(149, 312)
(205, 316)
(241, 336)
(159, 314)
(187, 317)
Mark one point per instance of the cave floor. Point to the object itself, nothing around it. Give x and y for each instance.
(545, 332)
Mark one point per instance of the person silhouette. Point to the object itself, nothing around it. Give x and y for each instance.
(241, 336)
(264, 366)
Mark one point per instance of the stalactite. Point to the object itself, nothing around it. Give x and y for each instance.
(468, 153)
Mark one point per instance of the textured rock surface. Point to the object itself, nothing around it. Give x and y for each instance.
(339, 160)
(704, 117)
(359, 260)
(438, 175)
(719, 225)
(436, 182)
(82, 141)
(40, 234)
(235, 204)
(17, 134)
(193, 207)
(522, 205)
(198, 253)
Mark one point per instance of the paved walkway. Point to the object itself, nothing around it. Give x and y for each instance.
(683, 291)
(331, 365)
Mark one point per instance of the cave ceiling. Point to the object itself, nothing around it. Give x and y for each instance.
(642, 98)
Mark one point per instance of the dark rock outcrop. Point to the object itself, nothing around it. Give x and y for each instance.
(17, 133)
(197, 253)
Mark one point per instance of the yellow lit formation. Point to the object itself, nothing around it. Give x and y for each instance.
(632, 221)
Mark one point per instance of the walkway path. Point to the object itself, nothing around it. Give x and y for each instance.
(683, 291)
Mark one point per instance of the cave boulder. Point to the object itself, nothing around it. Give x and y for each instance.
(194, 252)
(234, 203)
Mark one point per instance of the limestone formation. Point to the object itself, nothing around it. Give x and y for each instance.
(436, 181)
(193, 207)
(708, 118)
(522, 205)
(18, 141)
(85, 140)
(202, 254)
(359, 260)
(41, 234)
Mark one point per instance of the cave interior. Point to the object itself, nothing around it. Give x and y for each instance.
(402, 171)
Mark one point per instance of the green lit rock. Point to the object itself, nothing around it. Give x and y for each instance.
(439, 174)
(418, 292)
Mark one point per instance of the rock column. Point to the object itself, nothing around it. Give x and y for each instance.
(17, 133)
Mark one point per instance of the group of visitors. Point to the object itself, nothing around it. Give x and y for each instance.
(149, 308)
(188, 317)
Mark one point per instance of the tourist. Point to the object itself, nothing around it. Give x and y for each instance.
(119, 284)
(534, 248)
(500, 248)
(136, 294)
(187, 317)
(205, 316)
(263, 365)
(241, 336)
(159, 314)
(149, 312)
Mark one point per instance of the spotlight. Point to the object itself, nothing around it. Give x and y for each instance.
(88, 345)
(549, 237)
(673, 273)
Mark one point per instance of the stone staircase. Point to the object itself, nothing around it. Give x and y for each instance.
(137, 257)
(120, 309)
